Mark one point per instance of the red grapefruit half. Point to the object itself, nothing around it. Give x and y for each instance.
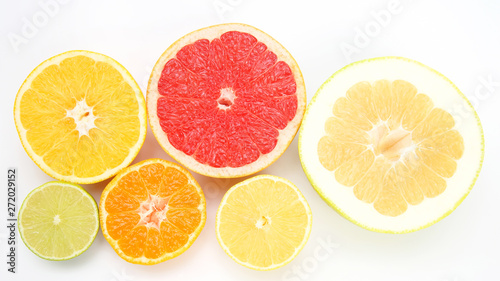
(226, 100)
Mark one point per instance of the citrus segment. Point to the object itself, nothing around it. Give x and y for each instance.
(58, 221)
(152, 211)
(133, 243)
(121, 201)
(390, 136)
(332, 154)
(368, 188)
(420, 107)
(449, 143)
(353, 170)
(263, 222)
(118, 224)
(226, 100)
(80, 116)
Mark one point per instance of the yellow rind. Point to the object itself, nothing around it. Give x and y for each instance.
(192, 237)
(72, 185)
(245, 182)
(74, 179)
(335, 207)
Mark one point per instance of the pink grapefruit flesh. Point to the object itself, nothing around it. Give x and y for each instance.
(226, 101)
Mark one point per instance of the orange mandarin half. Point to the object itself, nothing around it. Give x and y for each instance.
(152, 211)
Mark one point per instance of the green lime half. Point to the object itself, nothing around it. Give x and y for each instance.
(58, 220)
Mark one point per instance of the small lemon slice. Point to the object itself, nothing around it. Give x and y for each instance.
(263, 222)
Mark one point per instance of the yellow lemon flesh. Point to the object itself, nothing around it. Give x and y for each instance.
(263, 222)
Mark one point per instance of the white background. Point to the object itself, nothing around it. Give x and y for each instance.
(461, 39)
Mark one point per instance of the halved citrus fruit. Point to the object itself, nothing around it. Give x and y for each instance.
(263, 222)
(152, 211)
(226, 100)
(384, 144)
(81, 117)
(58, 220)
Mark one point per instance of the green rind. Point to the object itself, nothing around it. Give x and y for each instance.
(58, 183)
(335, 207)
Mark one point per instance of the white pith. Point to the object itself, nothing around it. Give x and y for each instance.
(285, 136)
(226, 98)
(381, 134)
(56, 220)
(83, 116)
(263, 222)
(443, 94)
(153, 211)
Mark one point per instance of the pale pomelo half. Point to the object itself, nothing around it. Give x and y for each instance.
(81, 117)
(384, 144)
(226, 100)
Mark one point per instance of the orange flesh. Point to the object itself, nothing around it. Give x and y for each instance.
(70, 112)
(390, 144)
(151, 212)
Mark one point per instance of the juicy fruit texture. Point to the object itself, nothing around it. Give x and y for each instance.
(382, 142)
(391, 145)
(152, 211)
(58, 221)
(263, 222)
(238, 94)
(81, 117)
(225, 99)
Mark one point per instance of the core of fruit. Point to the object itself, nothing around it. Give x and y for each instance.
(226, 100)
(152, 211)
(80, 116)
(58, 220)
(383, 142)
(263, 222)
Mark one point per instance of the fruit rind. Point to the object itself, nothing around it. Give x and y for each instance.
(70, 185)
(301, 198)
(192, 237)
(286, 135)
(337, 208)
(22, 132)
